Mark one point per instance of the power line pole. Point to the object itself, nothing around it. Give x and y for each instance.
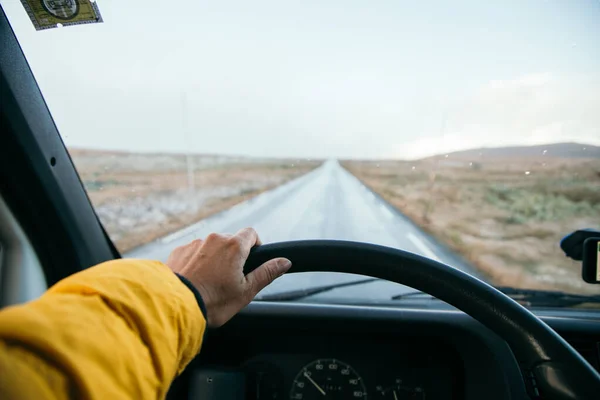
(189, 160)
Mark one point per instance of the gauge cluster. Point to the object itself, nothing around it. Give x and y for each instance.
(301, 363)
(328, 377)
(392, 372)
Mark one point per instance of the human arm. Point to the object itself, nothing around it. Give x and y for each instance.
(126, 328)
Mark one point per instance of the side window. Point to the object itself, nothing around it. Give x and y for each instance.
(21, 276)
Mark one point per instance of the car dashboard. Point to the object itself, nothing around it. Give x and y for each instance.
(316, 351)
(309, 366)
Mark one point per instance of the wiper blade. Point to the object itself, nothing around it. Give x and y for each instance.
(528, 297)
(302, 293)
(547, 298)
(402, 296)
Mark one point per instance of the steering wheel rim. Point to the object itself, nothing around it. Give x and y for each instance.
(559, 370)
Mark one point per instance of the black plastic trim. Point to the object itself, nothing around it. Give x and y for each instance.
(490, 368)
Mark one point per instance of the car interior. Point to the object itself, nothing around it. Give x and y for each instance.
(485, 346)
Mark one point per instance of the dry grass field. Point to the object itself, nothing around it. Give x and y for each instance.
(504, 215)
(141, 197)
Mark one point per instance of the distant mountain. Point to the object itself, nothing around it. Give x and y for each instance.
(559, 150)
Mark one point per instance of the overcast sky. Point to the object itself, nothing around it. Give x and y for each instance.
(320, 78)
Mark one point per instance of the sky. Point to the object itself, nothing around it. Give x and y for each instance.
(321, 78)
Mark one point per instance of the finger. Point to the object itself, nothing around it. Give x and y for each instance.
(177, 251)
(248, 239)
(266, 273)
(194, 243)
(191, 248)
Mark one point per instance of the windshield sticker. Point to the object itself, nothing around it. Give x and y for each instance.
(47, 14)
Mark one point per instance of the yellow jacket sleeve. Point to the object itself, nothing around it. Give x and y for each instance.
(122, 329)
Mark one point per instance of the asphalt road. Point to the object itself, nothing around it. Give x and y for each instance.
(327, 203)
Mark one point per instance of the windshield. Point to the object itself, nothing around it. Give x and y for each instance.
(464, 131)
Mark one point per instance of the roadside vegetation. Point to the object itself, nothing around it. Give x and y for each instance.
(142, 197)
(505, 216)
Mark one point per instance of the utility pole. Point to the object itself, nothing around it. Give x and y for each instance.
(189, 160)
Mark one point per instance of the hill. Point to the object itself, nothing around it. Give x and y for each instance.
(558, 150)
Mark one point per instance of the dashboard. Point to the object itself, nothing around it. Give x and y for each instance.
(342, 369)
(311, 351)
(310, 368)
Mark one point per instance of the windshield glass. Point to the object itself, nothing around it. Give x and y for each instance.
(464, 131)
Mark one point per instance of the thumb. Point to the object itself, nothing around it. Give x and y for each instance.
(267, 273)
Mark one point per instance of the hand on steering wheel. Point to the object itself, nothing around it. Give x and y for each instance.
(215, 267)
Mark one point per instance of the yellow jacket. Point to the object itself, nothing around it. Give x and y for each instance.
(122, 329)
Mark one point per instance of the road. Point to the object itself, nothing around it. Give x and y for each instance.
(327, 203)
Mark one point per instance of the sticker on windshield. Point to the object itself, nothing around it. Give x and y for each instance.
(46, 14)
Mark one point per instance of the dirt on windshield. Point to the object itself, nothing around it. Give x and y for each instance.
(505, 216)
(142, 197)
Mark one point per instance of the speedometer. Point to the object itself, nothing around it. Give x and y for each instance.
(327, 379)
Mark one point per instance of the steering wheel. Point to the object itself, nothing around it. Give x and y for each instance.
(558, 370)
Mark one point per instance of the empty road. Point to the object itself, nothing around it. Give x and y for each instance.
(327, 203)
